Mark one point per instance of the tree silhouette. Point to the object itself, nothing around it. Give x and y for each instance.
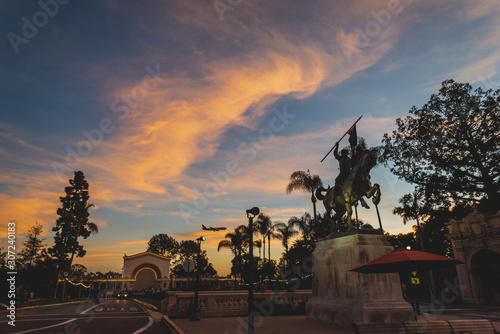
(304, 224)
(189, 249)
(304, 181)
(32, 246)
(285, 232)
(163, 244)
(236, 241)
(73, 222)
(263, 225)
(450, 147)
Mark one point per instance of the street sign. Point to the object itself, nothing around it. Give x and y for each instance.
(415, 280)
(188, 266)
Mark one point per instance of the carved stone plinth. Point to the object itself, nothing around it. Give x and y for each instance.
(343, 296)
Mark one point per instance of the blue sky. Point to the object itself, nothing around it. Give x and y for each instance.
(155, 100)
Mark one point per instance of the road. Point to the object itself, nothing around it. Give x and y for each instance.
(114, 316)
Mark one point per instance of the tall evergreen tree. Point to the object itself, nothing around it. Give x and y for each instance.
(73, 223)
(32, 246)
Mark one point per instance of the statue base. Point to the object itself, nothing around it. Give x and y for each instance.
(343, 296)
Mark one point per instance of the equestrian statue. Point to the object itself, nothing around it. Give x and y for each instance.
(352, 184)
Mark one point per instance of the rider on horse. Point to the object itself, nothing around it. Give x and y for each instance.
(346, 164)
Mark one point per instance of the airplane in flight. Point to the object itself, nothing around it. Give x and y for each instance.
(212, 228)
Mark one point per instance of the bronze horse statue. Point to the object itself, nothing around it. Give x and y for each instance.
(355, 187)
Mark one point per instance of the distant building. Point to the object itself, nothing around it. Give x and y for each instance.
(148, 270)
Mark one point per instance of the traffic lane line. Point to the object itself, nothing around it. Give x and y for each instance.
(116, 324)
(150, 322)
(46, 327)
(107, 324)
(104, 316)
(52, 319)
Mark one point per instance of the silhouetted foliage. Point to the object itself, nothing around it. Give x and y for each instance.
(163, 244)
(450, 147)
(304, 181)
(73, 222)
(188, 249)
(32, 246)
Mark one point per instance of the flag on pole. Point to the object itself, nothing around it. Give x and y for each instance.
(353, 137)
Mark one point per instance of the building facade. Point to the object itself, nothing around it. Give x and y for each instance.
(147, 270)
(476, 242)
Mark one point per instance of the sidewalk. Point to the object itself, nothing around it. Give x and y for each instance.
(269, 325)
(281, 324)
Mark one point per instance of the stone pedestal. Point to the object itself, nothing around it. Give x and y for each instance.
(343, 296)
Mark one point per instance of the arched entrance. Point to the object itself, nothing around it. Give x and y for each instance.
(145, 279)
(485, 267)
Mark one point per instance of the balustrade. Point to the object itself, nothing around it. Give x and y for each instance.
(230, 303)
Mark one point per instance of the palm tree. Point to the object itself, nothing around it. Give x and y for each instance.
(262, 225)
(235, 241)
(303, 223)
(304, 181)
(285, 232)
(412, 207)
(271, 234)
(258, 244)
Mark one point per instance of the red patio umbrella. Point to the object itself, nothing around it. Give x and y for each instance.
(403, 260)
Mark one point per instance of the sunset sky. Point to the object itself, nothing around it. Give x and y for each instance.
(182, 113)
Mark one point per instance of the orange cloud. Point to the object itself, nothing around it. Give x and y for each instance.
(183, 120)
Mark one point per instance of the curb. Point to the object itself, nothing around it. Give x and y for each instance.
(171, 326)
(35, 306)
(150, 306)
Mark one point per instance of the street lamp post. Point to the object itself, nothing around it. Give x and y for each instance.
(251, 213)
(195, 316)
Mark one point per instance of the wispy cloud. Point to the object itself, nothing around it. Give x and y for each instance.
(224, 79)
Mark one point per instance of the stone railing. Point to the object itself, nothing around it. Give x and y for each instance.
(231, 303)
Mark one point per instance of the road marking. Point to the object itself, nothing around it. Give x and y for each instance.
(150, 322)
(100, 309)
(41, 328)
(100, 317)
(83, 312)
